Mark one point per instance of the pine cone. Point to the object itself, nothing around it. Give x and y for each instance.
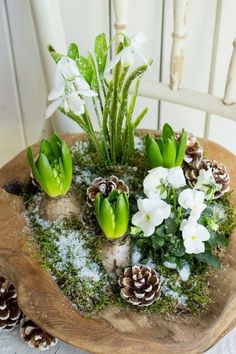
(105, 186)
(10, 314)
(219, 173)
(34, 336)
(140, 285)
(194, 150)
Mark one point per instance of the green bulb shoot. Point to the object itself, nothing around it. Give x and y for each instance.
(112, 214)
(166, 150)
(53, 166)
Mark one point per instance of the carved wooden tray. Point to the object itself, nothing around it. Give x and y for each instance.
(114, 330)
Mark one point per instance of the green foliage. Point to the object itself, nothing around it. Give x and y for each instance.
(115, 142)
(53, 166)
(166, 150)
(112, 214)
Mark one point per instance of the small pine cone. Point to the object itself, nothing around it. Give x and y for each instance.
(105, 186)
(140, 285)
(219, 173)
(34, 336)
(10, 313)
(194, 150)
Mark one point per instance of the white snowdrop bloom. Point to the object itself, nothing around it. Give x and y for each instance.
(69, 86)
(128, 54)
(194, 200)
(152, 212)
(194, 236)
(159, 178)
(206, 183)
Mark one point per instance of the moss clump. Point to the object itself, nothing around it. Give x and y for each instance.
(69, 249)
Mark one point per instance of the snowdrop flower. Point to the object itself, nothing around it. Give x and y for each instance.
(127, 54)
(151, 213)
(193, 235)
(69, 86)
(159, 178)
(206, 183)
(193, 200)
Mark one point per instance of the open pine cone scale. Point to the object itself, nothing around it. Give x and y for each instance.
(10, 314)
(140, 285)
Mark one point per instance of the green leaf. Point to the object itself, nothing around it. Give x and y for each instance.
(73, 51)
(121, 216)
(55, 143)
(153, 152)
(210, 259)
(107, 219)
(94, 82)
(48, 180)
(167, 132)
(101, 52)
(85, 69)
(170, 226)
(160, 230)
(33, 165)
(67, 164)
(98, 199)
(181, 148)
(45, 148)
(56, 56)
(135, 230)
(169, 153)
(157, 242)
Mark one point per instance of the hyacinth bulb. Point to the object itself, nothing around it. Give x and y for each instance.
(53, 166)
(166, 150)
(112, 214)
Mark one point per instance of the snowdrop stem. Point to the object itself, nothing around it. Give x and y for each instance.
(97, 112)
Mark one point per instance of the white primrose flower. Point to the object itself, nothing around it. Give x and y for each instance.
(206, 183)
(127, 54)
(69, 86)
(159, 178)
(194, 200)
(152, 212)
(194, 236)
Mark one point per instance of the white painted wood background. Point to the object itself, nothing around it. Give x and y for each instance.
(24, 80)
(23, 86)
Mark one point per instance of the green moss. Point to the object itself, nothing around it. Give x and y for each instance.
(228, 225)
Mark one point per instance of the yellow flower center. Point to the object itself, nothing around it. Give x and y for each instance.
(148, 217)
(193, 237)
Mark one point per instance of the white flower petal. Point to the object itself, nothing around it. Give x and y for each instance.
(176, 177)
(82, 84)
(127, 58)
(140, 55)
(139, 38)
(202, 233)
(76, 104)
(114, 61)
(88, 93)
(53, 107)
(56, 93)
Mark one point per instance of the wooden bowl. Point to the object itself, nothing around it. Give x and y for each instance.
(115, 330)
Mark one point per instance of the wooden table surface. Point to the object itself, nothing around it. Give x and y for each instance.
(10, 343)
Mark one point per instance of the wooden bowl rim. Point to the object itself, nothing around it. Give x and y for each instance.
(40, 298)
